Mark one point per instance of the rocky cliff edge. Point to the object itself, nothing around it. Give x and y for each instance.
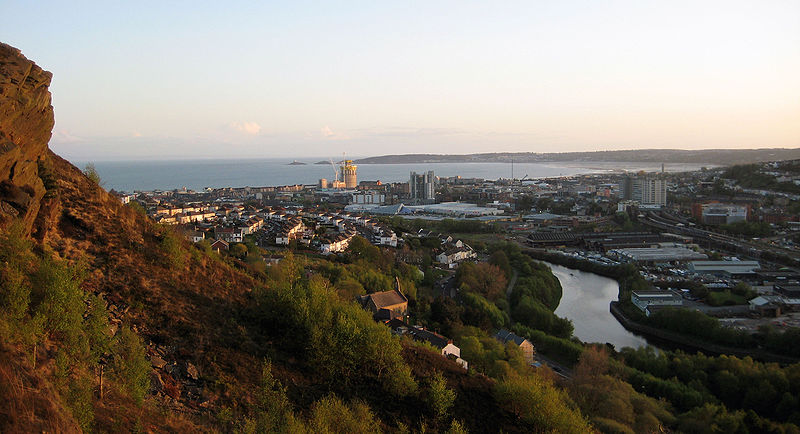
(26, 122)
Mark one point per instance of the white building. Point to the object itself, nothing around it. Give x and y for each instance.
(645, 299)
(645, 190)
(720, 213)
(368, 198)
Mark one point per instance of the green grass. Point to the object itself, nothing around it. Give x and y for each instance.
(725, 298)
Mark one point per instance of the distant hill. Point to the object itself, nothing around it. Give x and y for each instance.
(711, 156)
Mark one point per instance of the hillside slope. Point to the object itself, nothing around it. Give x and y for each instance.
(195, 312)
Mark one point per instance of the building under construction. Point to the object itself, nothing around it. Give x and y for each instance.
(349, 174)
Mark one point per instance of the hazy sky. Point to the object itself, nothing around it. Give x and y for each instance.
(170, 79)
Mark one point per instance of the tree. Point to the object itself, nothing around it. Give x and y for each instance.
(91, 172)
(440, 398)
(238, 251)
(15, 261)
(332, 415)
(58, 298)
(535, 401)
(130, 366)
(273, 410)
(96, 328)
(485, 279)
(500, 260)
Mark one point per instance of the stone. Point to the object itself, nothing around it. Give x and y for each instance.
(26, 123)
(156, 383)
(157, 362)
(7, 209)
(191, 371)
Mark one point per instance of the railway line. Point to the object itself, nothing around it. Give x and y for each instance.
(736, 246)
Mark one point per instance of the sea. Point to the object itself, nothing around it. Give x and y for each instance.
(130, 176)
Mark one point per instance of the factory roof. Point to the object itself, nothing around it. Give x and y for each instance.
(648, 254)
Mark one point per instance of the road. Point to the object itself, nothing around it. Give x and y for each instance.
(558, 368)
(512, 283)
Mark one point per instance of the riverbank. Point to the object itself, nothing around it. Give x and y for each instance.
(584, 301)
(666, 338)
(693, 344)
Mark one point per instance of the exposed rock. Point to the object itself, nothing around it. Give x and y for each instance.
(172, 369)
(157, 362)
(191, 371)
(7, 210)
(156, 383)
(26, 122)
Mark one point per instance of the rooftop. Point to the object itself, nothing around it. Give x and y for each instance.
(386, 298)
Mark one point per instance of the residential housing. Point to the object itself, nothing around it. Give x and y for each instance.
(386, 305)
(528, 351)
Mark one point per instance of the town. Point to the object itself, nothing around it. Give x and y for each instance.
(721, 241)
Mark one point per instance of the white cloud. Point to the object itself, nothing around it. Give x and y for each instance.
(252, 128)
(329, 134)
(64, 136)
(327, 131)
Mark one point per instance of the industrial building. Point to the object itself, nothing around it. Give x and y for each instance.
(653, 255)
(456, 209)
(725, 268)
(645, 300)
(719, 213)
(368, 198)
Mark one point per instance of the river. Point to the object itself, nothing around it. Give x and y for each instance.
(585, 299)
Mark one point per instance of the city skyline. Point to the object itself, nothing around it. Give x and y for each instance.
(161, 81)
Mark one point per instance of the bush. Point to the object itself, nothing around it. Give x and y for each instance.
(15, 262)
(91, 172)
(131, 368)
(332, 415)
(537, 402)
(170, 245)
(79, 400)
(58, 299)
(440, 398)
(273, 410)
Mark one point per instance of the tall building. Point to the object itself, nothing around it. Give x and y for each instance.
(422, 186)
(645, 190)
(349, 174)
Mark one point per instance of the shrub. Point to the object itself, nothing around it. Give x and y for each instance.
(332, 415)
(130, 366)
(91, 172)
(440, 398)
(536, 401)
(79, 400)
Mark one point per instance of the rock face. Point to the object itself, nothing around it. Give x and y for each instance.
(26, 122)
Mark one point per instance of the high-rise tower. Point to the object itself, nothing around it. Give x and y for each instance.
(422, 186)
(644, 189)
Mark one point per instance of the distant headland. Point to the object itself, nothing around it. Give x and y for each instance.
(710, 156)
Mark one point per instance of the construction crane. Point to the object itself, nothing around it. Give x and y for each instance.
(335, 171)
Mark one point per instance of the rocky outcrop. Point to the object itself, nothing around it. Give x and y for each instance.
(26, 122)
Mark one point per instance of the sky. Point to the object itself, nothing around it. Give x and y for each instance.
(195, 79)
